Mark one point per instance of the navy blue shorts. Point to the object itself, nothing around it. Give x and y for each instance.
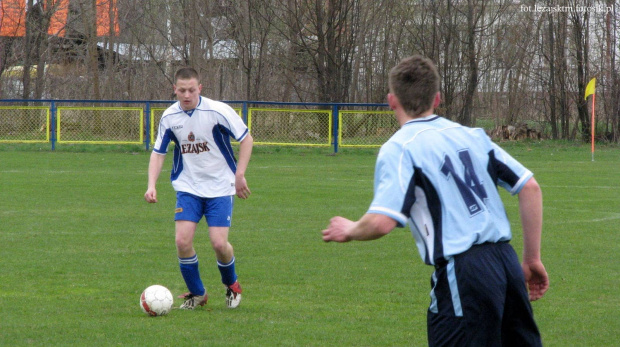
(479, 298)
(217, 211)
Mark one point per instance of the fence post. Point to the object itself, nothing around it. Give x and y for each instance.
(147, 124)
(53, 124)
(244, 112)
(335, 122)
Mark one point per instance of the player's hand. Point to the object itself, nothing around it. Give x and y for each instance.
(241, 186)
(337, 230)
(150, 196)
(536, 279)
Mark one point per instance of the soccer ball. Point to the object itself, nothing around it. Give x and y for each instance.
(156, 300)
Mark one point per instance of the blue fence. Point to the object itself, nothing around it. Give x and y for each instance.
(56, 122)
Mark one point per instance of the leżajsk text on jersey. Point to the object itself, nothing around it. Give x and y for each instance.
(204, 163)
(441, 178)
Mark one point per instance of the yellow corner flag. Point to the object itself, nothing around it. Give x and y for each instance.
(590, 91)
(590, 88)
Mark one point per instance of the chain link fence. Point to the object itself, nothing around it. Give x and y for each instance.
(118, 125)
(313, 125)
(24, 124)
(290, 126)
(366, 128)
(156, 113)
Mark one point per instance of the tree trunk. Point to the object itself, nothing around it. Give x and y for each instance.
(465, 116)
(552, 88)
(613, 78)
(30, 32)
(580, 41)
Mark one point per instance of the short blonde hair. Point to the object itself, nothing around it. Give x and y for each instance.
(186, 73)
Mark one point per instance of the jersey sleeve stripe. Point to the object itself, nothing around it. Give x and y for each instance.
(165, 141)
(245, 133)
(519, 185)
(395, 215)
(231, 128)
(224, 146)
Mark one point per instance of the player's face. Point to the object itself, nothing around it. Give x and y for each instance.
(188, 93)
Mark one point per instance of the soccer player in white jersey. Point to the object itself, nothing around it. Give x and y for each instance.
(441, 178)
(205, 176)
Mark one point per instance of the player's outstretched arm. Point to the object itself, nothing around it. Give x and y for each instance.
(245, 152)
(530, 209)
(370, 227)
(156, 163)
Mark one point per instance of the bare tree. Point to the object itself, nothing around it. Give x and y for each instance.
(31, 33)
(580, 36)
(435, 29)
(496, 60)
(7, 56)
(250, 28)
(552, 76)
(613, 78)
(323, 33)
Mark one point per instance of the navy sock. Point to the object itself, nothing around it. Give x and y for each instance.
(229, 276)
(191, 275)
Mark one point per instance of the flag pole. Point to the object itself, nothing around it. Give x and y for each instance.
(593, 125)
(591, 90)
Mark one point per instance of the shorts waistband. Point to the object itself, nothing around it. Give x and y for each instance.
(439, 263)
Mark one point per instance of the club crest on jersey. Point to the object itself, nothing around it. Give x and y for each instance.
(191, 137)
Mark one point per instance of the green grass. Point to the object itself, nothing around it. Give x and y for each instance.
(78, 245)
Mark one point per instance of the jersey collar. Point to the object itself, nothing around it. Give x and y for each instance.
(190, 112)
(429, 118)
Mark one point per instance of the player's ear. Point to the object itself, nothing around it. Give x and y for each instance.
(199, 88)
(437, 100)
(392, 101)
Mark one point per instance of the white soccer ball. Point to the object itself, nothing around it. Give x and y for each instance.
(156, 300)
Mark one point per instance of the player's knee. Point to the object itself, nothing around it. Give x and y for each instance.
(183, 243)
(219, 245)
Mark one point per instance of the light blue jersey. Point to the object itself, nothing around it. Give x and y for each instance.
(441, 178)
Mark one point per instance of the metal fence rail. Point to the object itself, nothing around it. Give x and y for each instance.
(136, 122)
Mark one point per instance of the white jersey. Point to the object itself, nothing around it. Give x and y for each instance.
(204, 163)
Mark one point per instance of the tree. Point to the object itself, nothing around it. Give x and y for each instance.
(496, 60)
(613, 78)
(552, 79)
(250, 28)
(580, 36)
(324, 32)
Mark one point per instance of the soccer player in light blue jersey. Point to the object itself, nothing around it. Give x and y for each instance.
(441, 178)
(206, 176)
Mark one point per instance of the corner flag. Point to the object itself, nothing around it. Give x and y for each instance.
(591, 90)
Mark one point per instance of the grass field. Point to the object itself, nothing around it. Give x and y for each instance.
(78, 244)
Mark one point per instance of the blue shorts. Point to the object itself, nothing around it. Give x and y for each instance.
(479, 298)
(217, 211)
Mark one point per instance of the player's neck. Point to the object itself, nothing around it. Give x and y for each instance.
(404, 117)
(425, 114)
(190, 108)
